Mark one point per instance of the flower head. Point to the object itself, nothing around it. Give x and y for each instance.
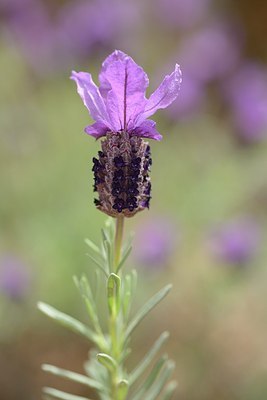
(120, 110)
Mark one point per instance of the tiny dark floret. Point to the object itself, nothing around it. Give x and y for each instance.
(131, 203)
(119, 162)
(119, 174)
(97, 202)
(119, 205)
(135, 163)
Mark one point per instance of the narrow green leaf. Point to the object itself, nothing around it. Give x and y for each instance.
(150, 304)
(73, 376)
(125, 353)
(86, 293)
(130, 282)
(140, 369)
(127, 295)
(58, 394)
(98, 264)
(107, 361)
(67, 321)
(105, 237)
(96, 370)
(169, 390)
(108, 254)
(152, 377)
(89, 302)
(161, 381)
(124, 258)
(113, 287)
(96, 285)
(108, 234)
(92, 246)
(134, 280)
(122, 390)
(128, 242)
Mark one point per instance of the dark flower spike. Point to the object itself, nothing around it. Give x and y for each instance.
(120, 110)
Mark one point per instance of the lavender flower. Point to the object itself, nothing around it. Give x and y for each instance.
(210, 53)
(246, 92)
(154, 242)
(14, 277)
(236, 242)
(120, 110)
(29, 26)
(191, 101)
(83, 26)
(182, 13)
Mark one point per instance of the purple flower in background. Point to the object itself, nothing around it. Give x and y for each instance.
(9, 7)
(29, 26)
(14, 278)
(120, 110)
(155, 242)
(52, 43)
(210, 53)
(83, 26)
(191, 100)
(236, 242)
(182, 13)
(246, 93)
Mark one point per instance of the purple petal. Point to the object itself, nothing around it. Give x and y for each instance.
(122, 85)
(147, 130)
(91, 96)
(165, 94)
(97, 130)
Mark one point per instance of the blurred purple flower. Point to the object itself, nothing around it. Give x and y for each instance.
(29, 26)
(14, 278)
(54, 42)
(84, 26)
(190, 101)
(9, 7)
(182, 13)
(236, 242)
(154, 242)
(246, 93)
(210, 53)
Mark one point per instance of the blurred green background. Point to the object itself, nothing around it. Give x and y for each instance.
(206, 229)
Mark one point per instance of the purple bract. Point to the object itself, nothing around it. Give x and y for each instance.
(120, 104)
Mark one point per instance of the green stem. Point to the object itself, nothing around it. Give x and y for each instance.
(114, 316)
(118, 241)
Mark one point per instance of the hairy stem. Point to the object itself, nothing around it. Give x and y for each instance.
(115, 315)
